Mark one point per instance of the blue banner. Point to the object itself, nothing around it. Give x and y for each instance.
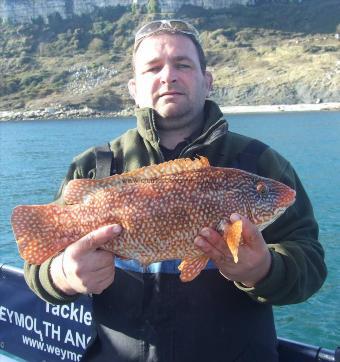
(37, 331)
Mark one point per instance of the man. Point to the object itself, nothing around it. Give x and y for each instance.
(225, 314)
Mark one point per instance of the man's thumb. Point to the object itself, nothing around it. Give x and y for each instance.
(98, 237)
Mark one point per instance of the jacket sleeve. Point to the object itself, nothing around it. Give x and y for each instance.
(38, 277)
(298, 269)
(39, 280)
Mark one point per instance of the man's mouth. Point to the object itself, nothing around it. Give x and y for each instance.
(170, 93)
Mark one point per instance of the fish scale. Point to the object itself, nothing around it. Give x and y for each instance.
(161, 208)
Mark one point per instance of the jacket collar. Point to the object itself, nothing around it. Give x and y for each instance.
(215, 125)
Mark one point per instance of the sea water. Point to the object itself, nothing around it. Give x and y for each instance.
(34, 157)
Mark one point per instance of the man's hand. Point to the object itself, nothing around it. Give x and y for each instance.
(83, 267)
(254, 257)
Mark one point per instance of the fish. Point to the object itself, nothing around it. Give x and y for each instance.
(161, 209)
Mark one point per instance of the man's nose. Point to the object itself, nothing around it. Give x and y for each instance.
(168, 74)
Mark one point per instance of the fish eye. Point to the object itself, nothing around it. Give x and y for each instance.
(262, 189)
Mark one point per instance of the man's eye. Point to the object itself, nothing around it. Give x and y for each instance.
(183, 66)
(152, 70)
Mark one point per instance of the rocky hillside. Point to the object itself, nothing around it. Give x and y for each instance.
(22, 11)
(269, 54)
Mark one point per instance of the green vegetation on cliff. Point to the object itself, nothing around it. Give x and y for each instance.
(269, 54)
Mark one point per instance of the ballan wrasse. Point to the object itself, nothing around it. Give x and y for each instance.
(161, 208)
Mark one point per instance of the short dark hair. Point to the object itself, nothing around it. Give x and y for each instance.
(198, 46)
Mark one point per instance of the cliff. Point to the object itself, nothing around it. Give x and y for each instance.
(268, 54)
(23, 11)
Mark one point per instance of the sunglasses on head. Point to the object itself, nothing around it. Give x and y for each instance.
(176, 26)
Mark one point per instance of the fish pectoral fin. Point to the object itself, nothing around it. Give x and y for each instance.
(232, 235)
(191, 267)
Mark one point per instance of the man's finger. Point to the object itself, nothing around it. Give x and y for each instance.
(96, 238)
(215, 239)
(212, 244)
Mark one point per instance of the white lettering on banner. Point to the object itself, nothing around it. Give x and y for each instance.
(77, 339)
(70, 312)
(31, 325)
(44, 331)
(19, 320)
(10, 315)
(3, 314)
(59, 352)
(51, 330)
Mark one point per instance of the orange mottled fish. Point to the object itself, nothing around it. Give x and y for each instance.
(161, 209)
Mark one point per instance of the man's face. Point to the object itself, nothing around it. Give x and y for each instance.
(168, 77)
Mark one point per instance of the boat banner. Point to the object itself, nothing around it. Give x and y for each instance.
(37, 331)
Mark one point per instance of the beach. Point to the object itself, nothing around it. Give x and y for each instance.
(304, 107)
(86, 112)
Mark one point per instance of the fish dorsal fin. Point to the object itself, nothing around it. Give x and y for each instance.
(77, 191)
(168, 168)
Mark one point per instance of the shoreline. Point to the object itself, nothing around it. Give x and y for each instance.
(86, 112)
(59, 113)
(278, 108)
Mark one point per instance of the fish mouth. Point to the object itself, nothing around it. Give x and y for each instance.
(277, 214)
(289, 198)
(286, 201)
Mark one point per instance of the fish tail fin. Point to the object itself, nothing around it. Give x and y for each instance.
(233, 236)
(37, 231)
(191, 267)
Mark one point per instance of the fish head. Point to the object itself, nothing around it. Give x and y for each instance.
(263, 199)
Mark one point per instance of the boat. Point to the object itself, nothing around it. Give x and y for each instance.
(34, 330)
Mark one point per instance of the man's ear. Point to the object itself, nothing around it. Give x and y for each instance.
(132, 88)
(208, 81)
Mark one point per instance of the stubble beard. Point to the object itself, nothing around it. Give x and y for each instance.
(173, 121)
(174, 118)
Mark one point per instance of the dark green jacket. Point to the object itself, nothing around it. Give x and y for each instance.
(297, 270)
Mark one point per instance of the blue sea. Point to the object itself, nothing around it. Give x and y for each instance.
(34, 157)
